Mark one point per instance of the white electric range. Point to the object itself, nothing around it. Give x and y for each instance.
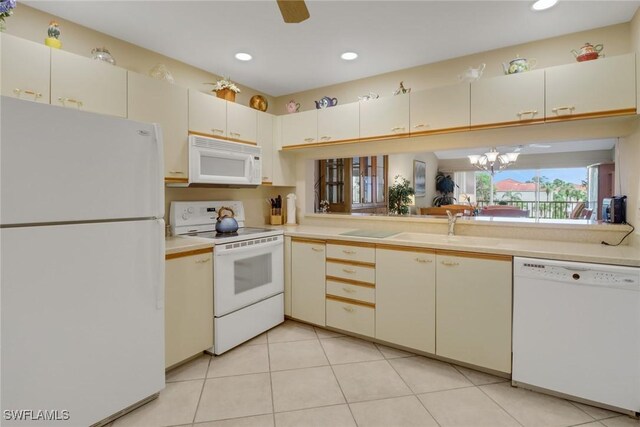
(248, 271)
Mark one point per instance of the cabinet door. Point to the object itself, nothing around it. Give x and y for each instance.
(26, 69)
(207, 114)
(88, 84)
(188, 306)
(591, 87)
(156, 101)
(339, 123)
(300, 128)
(287, 275)
(473, 310)
(508, 100)
(384, 116)
(444, 107)
(241, 123)
(308, 281)
(265, 140)
(406, 298)
(284, 164)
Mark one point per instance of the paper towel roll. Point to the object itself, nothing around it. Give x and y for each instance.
(291, 208)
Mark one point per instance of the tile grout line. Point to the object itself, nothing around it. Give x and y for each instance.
(499, 405)
(195, 414)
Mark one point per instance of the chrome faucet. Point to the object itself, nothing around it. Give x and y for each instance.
(452, 223)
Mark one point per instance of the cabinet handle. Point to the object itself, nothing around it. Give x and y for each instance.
(325, 138)
(421, 125)
(35, 94)
(449, 263)
(423, 261)
(309, 139)
(177, 172)
(203, 261)
(349, 291)
(569, 108)
(71, 101)
(235, 133)
(348, 252)
(524, 113)
(214, 130)
(397, 128)
(347, 309)
(317, 249)
(349, 271)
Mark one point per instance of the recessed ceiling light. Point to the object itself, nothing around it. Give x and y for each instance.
(543, 4)
(349, 56)
(241, 56)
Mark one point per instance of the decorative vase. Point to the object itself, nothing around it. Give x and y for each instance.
(226, 94)
(53, 42)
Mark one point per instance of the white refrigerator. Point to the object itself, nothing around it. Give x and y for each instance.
(81, 264)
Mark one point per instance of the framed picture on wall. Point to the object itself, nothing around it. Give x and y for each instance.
(420, 178)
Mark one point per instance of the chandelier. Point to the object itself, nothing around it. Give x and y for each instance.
(493, 161)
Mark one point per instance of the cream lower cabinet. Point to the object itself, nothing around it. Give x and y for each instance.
(339, 123)
(308, 280)
(87, 84)
(188, 305)
(440, 108)
(406, 297)
(508, 100)
(25, 69)
(241, 123)
(287, 275)
(207, 114)
(473, 309)
(299, 128)
(384, 117)
(156, 101)
(593, 87)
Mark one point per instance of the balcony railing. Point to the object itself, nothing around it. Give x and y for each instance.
(550, 210)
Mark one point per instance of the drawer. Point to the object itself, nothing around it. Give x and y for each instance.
(351, 253)
(351, 272)
(345, 290)
(351, 317)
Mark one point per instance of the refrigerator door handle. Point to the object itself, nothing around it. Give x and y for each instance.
(160, 270)
(160, 149)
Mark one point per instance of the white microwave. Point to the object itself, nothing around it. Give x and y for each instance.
(218, 162)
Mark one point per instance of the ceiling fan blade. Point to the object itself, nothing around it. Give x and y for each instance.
(293, 11)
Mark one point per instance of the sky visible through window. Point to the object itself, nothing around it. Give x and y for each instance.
(572, 175)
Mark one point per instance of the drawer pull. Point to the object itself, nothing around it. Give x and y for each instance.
(35, 94)
(349, 291)
(203, 261)
(235, 133)
(348, 309)
(569, 108)
(423, 261)
(421, 125)
(325, 138)
(524, 113)
(397, 128)
(71, 101)
(309, 139)
(349, 271)
(317, 249)
(449, 263)
(177, 172)
(348, 252)
(214, 130)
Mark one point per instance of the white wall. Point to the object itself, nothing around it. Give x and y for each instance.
(402, 164)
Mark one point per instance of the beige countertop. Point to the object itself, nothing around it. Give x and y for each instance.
(177, 244)
(558, 250)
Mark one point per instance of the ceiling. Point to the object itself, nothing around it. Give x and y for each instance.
(288, 58)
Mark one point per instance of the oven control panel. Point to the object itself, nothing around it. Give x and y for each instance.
(193, 217)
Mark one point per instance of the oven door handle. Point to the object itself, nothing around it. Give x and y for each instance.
(243, 249)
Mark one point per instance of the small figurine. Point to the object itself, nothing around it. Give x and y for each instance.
(402, 90)
(368, 97)
(54, 34)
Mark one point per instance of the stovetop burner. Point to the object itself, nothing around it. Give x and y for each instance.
(244, 233)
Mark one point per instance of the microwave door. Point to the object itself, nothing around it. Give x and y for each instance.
(214, 167)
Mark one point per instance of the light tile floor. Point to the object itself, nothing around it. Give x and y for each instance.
(297, 375)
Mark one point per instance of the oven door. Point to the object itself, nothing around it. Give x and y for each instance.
(210, 166)
(247, 272)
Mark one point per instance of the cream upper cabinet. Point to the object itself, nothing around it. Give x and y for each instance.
(156, 101)
(591, 87)
(339, 123)
(87, 84)
(284, 164)
(241, 123)
(207, 114)
(300, 128)
(444, 107)
(188, 306)
(25, 69)
(265, 123)
(384, 116)
(308, 281)
(508, 100)
(406, 298)
(473, 309)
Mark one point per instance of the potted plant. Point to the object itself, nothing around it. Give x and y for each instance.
(400, 196)
(444, 187)
(225, 89)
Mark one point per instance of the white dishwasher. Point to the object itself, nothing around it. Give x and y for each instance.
(576, 330)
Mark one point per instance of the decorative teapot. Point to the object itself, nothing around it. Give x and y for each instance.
(519, 65)
(226, 223)
(326, 102)
(588, 52)
(292, 107)
(472, 74)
